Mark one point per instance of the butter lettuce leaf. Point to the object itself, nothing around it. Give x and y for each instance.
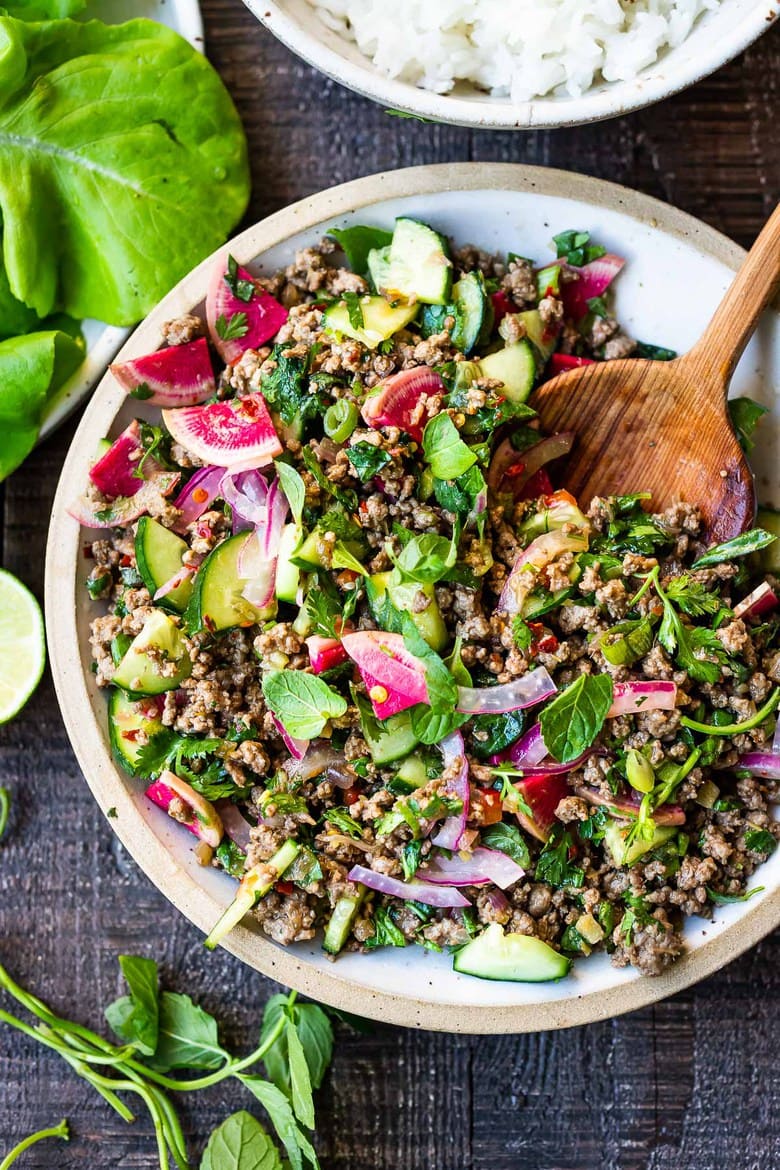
(42, 9)
(32, 369)
(122, 164)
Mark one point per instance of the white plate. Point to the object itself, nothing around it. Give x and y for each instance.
(677, 271)
(716, 38)
(103, 341)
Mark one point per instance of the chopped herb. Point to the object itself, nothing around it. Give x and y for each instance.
(386, 933)
(593, 828)
(354, 309)
(736, 728)
(96, 585)
(238, 285)
(449, 457)
(574, 718)
(727, 899)
(286, 388)
(340, 819)
(367, 460)
(357, 241)
(346, 497)
(598, 306)
(740, 546)
(760, 841)
(654, 353)
(142, 391)
(491, 734)
(303, 702)
(426, 558)
(522, 633)
(692, 597)
(553, 865)
(507, 839)
(574, 247)
(230, 857)
(745, 417)
(233, 327)
(411, 855)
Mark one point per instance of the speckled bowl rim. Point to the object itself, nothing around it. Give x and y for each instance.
(609, 101)
(64, 562)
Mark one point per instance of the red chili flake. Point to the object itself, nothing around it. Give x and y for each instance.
(548, 644)
(352, 794)
(515, 470)
(209, 623)
(126, 561)
(284, 888)
(200, 495)
(132, 734)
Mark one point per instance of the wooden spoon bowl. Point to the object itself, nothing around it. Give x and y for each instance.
(664, 427)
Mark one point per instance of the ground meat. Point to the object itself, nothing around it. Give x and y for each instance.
(182, 330)
(520, 283)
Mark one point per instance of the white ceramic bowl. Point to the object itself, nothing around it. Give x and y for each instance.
(677, 270)
(716, 38)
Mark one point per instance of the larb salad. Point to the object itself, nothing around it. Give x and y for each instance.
(392, 678)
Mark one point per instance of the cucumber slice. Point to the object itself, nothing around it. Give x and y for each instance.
(769, 519)
(380, 320)
(412, 772)
(216, 600)
(253, 886)
(470, 296)
(341, 921)
(537, 604)
(515, 366)
(429, 621)
(420, 266)
(158, 554)
(159, 641)
(540, 337)
(379, 267)
(288, 575)
(126, 717)
(515, 957)
(615, 840)
(387, 739)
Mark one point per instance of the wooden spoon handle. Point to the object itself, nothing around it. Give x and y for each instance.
(715, 355)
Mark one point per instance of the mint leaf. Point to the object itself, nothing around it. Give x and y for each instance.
(745, 417)
(303, 702)
(300, 1081)
(357, 241)
(444, 449)
(571, 722)
(386, 933)
(293, 487)
(367, 460)
(187, 1036)
(507, 839)
(427, 558)
(280, 1111)
(314, 1031)
(240, 1143)
(740, 546)
(135, 1018)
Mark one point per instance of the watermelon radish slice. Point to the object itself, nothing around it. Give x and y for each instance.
(198, 814)
(542, 794)
(560, 363)
(238, 434)
(393, 677)
(114, 474)
(502, 305)
(395, 401)
(233, 291)
(180, 375)
(124, 509)
(325, 653)
(594, 280)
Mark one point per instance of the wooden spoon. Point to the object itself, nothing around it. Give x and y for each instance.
(663, 427)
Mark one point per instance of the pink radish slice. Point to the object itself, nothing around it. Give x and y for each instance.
(296, 747)
(397, 401)
(542, 794)
(561, 362)
(114, 474)
(238, 434)
(325, 653)
(594, 280)
(264, 315)
(180, 375)
(124, 509)
(762, 600)
(393, 677)
(202, 818)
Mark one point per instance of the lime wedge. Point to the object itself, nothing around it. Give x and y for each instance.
(22, 645)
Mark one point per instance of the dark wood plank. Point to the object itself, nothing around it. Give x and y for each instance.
(690, 1084)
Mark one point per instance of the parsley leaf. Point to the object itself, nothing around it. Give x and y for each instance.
(386, 933)
(302, 702)
(341, 820)
(231, 328)
(553, 866)
(241, 288)
(367, 460)
(760, 841)
(571, 722)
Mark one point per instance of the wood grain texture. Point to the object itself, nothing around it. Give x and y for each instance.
(690, 1084)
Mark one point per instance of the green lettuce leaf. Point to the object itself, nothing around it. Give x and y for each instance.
(42, 9)
(132, 169)
(32, 368)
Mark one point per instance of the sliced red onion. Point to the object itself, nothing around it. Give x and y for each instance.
(531, 755)
(762, 600)
(198, 495)
(776, 740)
(498, 901)
(247, 493)
(321, 755)
(296, 747)
(540, 553)
(480, 868)
(528, 462)
(342, 775)
(513, 696)
(763, 764)
(429, 895)
(256, 561)
(453, 751)
(236, 826)
(178, 578)
(632, 697)
(628, 806)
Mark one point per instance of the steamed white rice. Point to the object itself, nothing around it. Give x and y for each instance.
(519, 49)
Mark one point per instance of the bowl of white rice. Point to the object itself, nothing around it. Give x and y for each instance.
(506, 64)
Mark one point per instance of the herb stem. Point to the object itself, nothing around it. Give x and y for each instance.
(54, 1131)
(670, 787)
(650, 579)
(736, 728)
(5, 808)
(108, 1095)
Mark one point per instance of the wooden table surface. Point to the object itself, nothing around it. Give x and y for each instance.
(690, 1084)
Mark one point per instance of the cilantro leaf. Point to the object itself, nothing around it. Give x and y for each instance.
(302, 702)
(341, 820)
(574, 718)
(553, 865)
(231, 328)
(243, 289)
(691, 596)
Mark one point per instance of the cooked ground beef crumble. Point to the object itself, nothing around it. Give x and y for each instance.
(604, 608)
